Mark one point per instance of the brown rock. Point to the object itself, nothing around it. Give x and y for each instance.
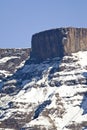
(58, 42)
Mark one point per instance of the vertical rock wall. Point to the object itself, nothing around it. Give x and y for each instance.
(58, 42)
(76, 40)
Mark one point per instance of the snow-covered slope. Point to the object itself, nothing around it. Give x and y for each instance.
(51, 95)
(11, 60)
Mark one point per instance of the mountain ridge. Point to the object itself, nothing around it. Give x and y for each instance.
(46, 95)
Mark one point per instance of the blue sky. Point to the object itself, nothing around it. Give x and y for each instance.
(19, 19)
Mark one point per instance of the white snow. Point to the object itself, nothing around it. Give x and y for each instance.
(40, 121)
(21, 65)
(71, 95)
(6, 73)
(82, 58)
(5, 59)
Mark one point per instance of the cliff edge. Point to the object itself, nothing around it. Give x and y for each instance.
(58, 42)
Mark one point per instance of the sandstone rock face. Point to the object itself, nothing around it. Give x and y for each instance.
(58, 42)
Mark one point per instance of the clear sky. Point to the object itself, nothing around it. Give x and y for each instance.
(19, 19)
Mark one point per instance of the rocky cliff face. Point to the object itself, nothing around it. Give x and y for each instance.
(58, 42)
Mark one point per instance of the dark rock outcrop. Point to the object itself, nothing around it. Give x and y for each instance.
(58, 42)
(15, 52)
(14, 58)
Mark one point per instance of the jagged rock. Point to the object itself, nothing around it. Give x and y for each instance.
(14, 52)
(58, 42)
(10, 59)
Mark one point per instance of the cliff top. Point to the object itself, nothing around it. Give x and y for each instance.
(60, 28)
(58, 42)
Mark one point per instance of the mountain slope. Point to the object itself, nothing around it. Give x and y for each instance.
(51, 95)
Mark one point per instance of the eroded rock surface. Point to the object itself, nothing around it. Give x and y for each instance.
(58, 42)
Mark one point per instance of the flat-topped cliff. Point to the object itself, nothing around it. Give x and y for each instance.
(58, 42)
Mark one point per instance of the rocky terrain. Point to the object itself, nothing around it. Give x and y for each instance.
(11, 60)
(47, 95)
(59, 42)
